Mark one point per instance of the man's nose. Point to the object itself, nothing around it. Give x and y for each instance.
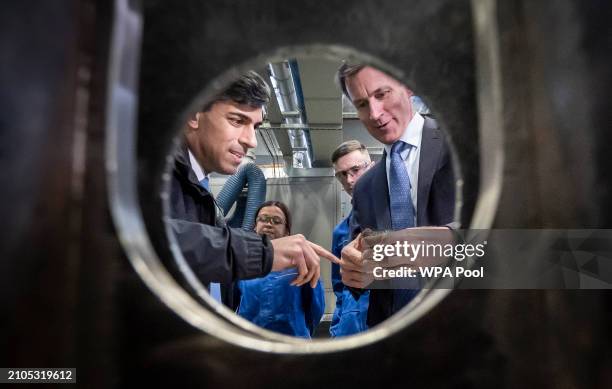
(350, 179)
(248, 138)
(376, 109)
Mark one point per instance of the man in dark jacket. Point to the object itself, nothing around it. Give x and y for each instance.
(215, 140)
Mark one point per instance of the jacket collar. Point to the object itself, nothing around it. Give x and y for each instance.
(183, 168)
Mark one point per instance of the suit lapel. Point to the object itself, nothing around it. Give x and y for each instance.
(431, 146)
(380, 195)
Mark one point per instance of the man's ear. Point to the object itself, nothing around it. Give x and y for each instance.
(409, 92)
(194, 122)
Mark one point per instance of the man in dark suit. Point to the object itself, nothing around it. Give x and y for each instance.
(412, 185)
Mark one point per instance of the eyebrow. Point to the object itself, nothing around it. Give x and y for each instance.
(377, 90)
(245, 117)
(350, 167)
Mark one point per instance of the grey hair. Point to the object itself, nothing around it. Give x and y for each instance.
(344, 71)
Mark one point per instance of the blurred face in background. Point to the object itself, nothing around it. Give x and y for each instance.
(271, 221)
(350, 167)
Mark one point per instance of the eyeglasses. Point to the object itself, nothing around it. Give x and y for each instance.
(352, 171)
(275, 220)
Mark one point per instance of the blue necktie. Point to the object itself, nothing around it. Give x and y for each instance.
(214, 288)
(204, 183)
(402, 210)
(402, 216)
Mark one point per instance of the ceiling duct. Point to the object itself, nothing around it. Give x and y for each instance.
(287, 87)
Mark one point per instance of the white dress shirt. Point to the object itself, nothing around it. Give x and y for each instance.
(195, 166)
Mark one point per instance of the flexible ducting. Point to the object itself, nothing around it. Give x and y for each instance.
(251, 176)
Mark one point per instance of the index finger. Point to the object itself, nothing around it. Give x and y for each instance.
(324, 253)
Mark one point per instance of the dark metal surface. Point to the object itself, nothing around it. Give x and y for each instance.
(70, 298)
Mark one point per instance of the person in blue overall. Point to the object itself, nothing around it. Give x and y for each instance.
(273, 302)
(351, 159)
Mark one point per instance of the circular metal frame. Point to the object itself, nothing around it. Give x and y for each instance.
(212, 317)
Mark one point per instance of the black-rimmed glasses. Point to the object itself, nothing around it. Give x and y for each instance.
(275, 220)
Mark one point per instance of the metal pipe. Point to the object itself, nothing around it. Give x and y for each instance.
(285, 82)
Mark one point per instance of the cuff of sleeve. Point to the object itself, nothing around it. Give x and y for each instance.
(258, 255)
(268, 255)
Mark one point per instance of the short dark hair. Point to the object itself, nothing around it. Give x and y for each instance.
(249, 89)
(282, 207)
(347, 147)
(344, 71)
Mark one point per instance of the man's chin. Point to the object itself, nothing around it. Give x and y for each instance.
(389, 138)
(229, 169)
(386, 137)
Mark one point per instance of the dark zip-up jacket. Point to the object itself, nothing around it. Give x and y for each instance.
(215, 252)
